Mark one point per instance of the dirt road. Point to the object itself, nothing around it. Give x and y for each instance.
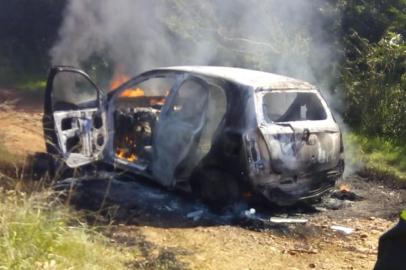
(173, 240)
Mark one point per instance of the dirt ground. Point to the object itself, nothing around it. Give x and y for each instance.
(20, 123)
(174, 240)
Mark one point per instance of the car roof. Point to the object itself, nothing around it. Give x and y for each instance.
(252, 78)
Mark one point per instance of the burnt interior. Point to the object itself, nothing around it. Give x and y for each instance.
(133, 132)
(136, 113)
(170, 143)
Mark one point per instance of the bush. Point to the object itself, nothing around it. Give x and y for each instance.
(375, 87)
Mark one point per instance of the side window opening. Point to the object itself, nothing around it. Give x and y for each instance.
(137, 111)
(72, 91)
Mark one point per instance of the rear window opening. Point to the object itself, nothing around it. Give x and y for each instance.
(290, 106)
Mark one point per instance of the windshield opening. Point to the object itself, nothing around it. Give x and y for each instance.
(292, 106)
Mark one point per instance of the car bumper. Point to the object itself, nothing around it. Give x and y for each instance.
(290, 189)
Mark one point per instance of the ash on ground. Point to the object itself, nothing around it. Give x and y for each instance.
(137, 202)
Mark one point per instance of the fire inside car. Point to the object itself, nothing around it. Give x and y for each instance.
(136, 113)
(164, 123)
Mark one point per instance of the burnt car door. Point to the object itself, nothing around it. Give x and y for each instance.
(179, 128)
(74, 117)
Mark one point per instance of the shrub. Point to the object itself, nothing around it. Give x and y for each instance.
(375, 86)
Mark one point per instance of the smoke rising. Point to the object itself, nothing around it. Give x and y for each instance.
(286, 37)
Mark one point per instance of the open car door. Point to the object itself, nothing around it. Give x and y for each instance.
(74, 117)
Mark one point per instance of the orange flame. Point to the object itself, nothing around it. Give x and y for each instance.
(119, 79)
(137, 92)
(122, 78)
(157, 101)
(122, 153)
(345, 188)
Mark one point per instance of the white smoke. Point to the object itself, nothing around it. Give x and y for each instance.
(125, 31)
(286, 37)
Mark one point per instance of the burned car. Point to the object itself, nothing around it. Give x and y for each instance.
(219, 132)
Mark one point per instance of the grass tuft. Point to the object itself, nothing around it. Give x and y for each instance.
(380, 155)
(37, 233)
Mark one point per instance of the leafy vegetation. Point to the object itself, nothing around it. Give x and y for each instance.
(375, 87)
(374, 70)
(383, 156)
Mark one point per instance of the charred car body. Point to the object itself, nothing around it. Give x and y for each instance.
(223, 133)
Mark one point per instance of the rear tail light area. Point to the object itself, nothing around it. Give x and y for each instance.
(257, 152)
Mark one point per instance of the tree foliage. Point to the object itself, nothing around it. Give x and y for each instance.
(371, 19)
(374, 70)
(27, 32)
(375, 84)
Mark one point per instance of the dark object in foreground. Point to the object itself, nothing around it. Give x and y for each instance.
(221, 133)
(392, 247)
(346, 195)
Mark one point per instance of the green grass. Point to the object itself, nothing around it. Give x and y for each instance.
(378, 154)
(35, 234)
(31, 85)
(39, 232)
(26, 82)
